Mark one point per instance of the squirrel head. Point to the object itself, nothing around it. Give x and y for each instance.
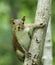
(18, 24)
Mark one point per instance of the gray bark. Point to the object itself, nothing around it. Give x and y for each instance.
(47, 54)
(38, 39)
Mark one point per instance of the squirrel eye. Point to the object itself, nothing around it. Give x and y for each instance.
(18, 27)
(23, 23)
(13, 22)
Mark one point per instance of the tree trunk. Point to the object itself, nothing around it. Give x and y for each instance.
(38, 39)
(47, 55)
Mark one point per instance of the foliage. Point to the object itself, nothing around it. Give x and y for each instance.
(17, 9)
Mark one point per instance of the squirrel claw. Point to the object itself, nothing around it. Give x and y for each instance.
(42, 25)
(29, 54)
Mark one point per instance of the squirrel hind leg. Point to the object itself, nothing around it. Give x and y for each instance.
(21, 58)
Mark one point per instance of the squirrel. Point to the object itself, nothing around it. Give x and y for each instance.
(21, 39)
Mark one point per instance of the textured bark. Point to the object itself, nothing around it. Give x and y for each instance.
(38, 39)
(47, 55)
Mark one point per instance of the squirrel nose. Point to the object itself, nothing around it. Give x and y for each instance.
(18, 28)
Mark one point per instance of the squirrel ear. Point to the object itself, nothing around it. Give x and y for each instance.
(11, 19)
(23, 18)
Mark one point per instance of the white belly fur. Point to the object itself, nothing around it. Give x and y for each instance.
(23, 39)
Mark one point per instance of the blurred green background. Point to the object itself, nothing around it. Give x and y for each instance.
(17, 9)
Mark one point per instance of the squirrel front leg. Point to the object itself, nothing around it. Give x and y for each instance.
(34, 25)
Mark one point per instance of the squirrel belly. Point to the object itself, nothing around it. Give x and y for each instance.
(23, 39)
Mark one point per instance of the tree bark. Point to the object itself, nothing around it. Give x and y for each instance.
(47, 54)
(37, 44)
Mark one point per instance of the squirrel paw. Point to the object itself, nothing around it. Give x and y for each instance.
(28, 54)
(42, 25)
